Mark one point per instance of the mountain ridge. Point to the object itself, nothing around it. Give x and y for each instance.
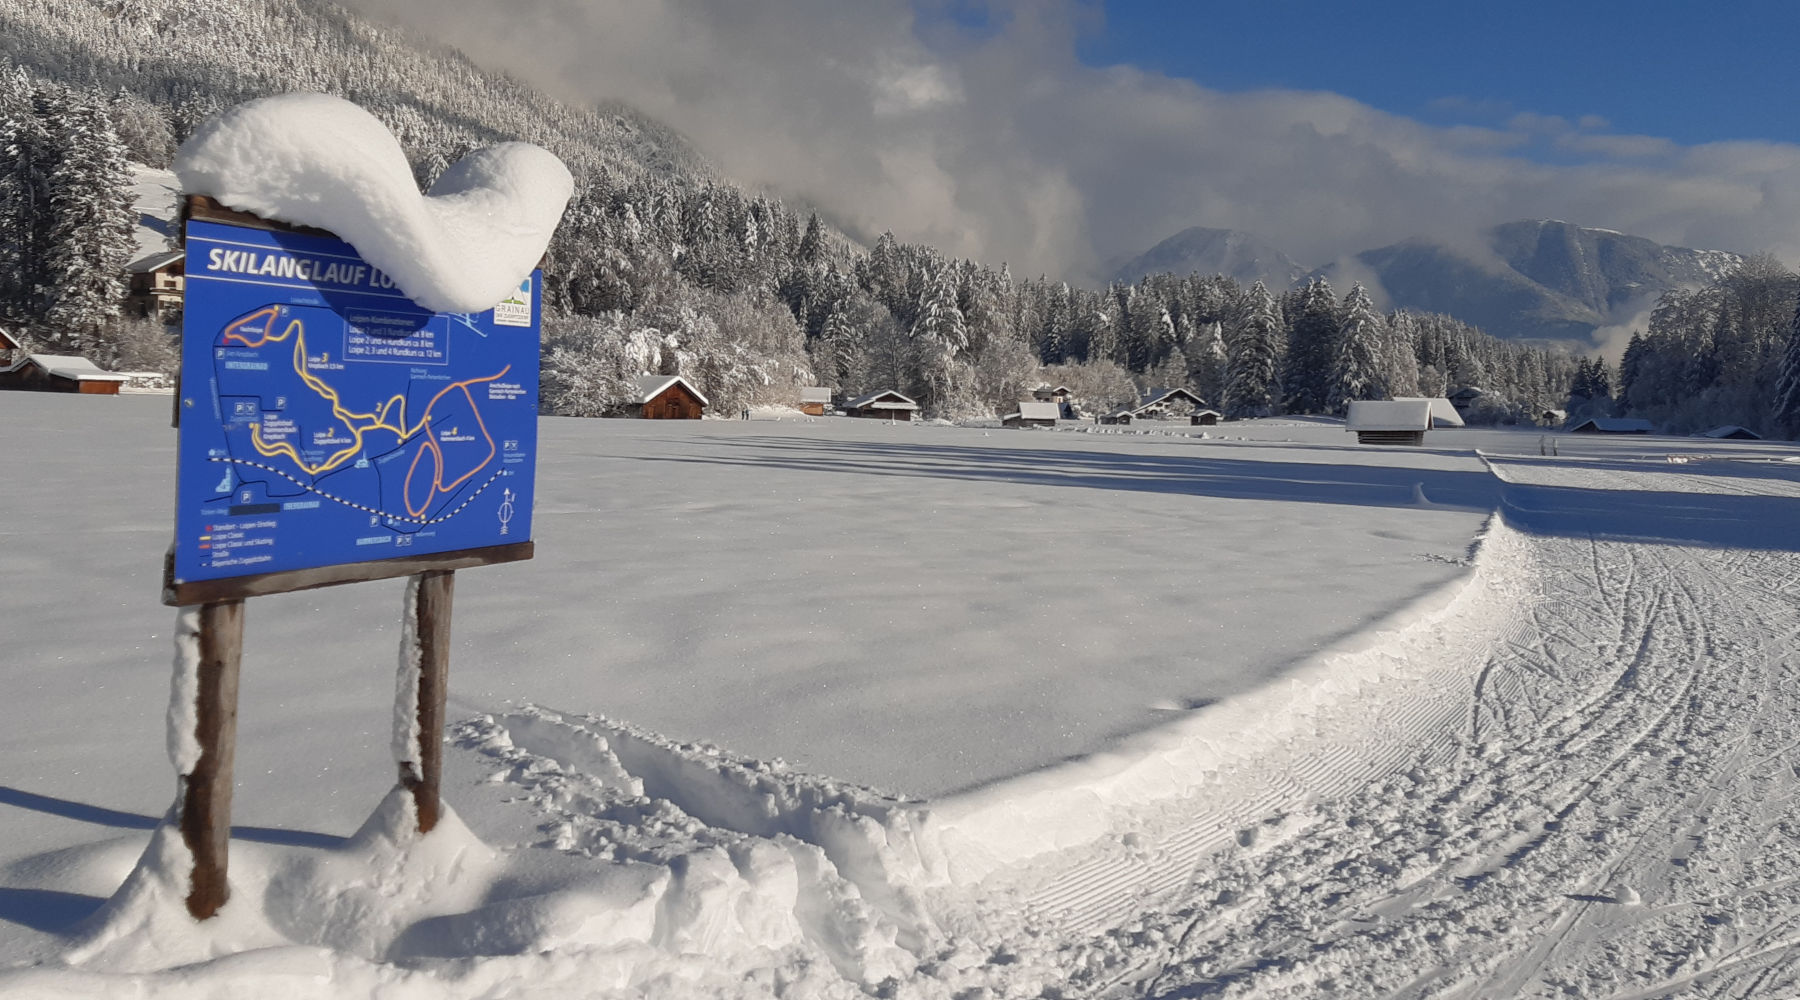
(1539, 280)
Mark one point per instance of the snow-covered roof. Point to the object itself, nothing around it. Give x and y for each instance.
(70, 366)
(1030, 410)
(318, 160)
(815, 394)
(7, 340)
(156, 261)
(652, 386)
(1154, 397)
(1202, 413)
(1733, 431)
(885, 400)
(1389, 415)
(1442, 413)
(1617, 425)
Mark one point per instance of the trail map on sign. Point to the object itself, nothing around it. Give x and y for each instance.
(327, 419)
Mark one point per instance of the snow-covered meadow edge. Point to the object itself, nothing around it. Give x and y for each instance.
(702, 863)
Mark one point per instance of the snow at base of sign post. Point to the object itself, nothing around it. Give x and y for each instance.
(406, 686)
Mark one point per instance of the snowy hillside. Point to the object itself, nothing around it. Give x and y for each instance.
(1325, 704)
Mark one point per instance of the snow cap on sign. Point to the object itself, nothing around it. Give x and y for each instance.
(317, 160)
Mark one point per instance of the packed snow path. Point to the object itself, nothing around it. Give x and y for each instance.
(1614, 818)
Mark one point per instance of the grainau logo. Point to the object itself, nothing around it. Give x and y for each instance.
(515, 309)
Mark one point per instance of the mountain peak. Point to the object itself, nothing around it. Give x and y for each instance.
(1231, 252)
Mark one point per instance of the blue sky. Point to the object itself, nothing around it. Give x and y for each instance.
(1685, 71)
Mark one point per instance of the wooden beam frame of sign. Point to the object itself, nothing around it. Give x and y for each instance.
(205, 800)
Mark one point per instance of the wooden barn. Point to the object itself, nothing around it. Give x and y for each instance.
(1389, 421)
(1032, 414)
(1203, 418)
(1732, 432)
(815, 400)
(669, 397)
(886, 405)
(1052, 393)
(156, 284)
(1612, 425)
(60, 373)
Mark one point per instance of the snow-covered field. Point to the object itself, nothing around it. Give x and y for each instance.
(1156, 715)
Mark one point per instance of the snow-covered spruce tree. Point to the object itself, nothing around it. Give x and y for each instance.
(1206, 363)
(27, 158)
(1253, 357)
(90, 239)
(1785, 410)
(1356, 371)
(941, 336)
(1312, 343)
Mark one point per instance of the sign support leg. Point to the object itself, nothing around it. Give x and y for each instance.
(206, 801)
(436, 590)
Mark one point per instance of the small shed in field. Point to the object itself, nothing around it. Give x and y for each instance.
(1203, 418)
(669, 397)
(1389, 421)
(1443, 412)
(1732, 432)
(884, 405)
(1553, 418)
(156, 283)
(60, 373)
(815, 400)
(1116, 417)
(1613, 425)
(1033, 414)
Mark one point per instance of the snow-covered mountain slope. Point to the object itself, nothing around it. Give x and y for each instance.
(1544, 280)
(1199, 250)
(199, 58)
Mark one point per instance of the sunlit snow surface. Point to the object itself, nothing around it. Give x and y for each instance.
(1309, 729)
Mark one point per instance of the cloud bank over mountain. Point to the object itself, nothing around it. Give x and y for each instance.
(994, 140)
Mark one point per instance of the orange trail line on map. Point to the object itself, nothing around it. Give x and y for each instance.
(377, 420)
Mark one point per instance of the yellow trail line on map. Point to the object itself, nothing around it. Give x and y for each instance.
(378, 420)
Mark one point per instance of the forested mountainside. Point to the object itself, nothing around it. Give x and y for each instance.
(661, 266)
(187, 59)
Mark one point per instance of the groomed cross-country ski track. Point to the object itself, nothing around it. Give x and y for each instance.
(1575, 777)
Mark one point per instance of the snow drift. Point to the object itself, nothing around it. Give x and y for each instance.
(317, 160)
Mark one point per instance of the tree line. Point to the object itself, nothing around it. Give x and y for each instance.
(660, 267)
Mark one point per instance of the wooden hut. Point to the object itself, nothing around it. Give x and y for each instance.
(1443, 412)
(885, 405)
(1052, 393)
(669, 397)
(1732, 432)
(1203, 418)
(1389, 421)
(1032, 414)
(815, 400)
(156, 283)
(60, 373)
(1612, 425)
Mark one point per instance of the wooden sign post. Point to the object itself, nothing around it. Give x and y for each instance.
(333, 432)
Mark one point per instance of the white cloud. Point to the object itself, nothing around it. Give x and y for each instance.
(1002, 145)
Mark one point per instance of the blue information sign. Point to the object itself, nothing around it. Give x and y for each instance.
(326, 419)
